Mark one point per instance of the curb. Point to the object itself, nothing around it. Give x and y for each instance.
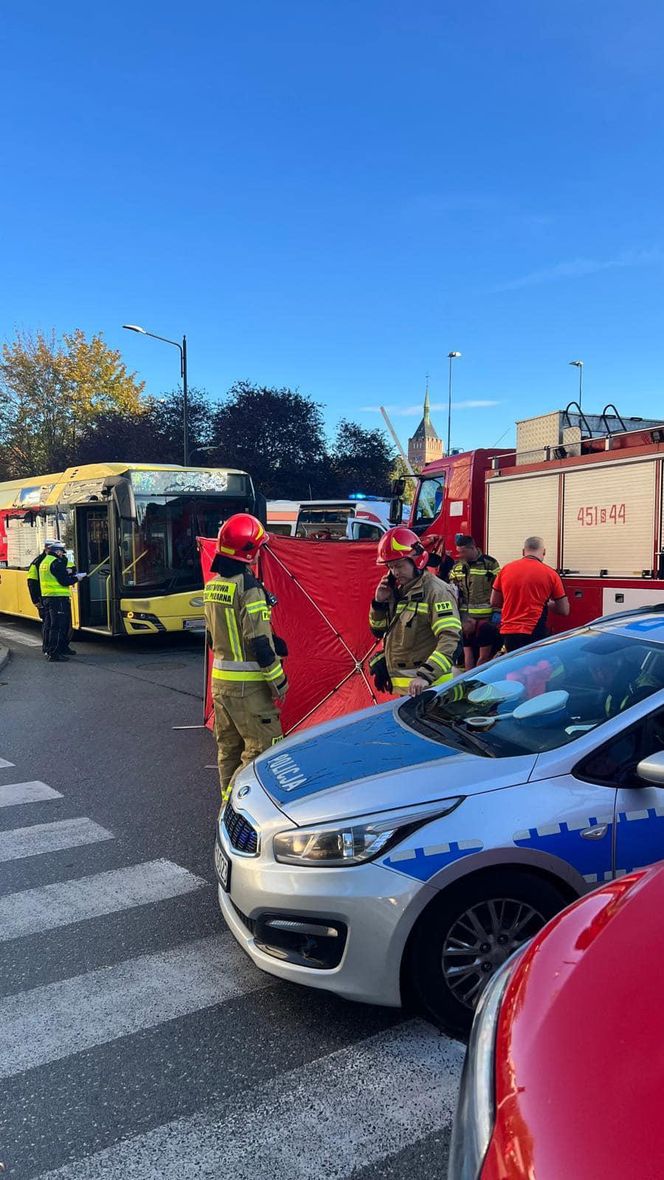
(4, 657)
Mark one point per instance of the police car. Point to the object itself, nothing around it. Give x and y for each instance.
(402, 853)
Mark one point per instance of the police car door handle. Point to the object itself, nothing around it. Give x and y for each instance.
(596, 832)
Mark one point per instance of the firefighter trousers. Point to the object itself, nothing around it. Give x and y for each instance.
(244, 726)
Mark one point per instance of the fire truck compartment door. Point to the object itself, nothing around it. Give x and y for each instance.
(609, 519)
(520, 508)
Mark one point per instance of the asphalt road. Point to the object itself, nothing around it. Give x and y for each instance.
(136, 1039)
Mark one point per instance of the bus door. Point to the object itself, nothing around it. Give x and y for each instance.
(94, 558)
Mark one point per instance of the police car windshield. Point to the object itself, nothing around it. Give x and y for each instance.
(543, 697)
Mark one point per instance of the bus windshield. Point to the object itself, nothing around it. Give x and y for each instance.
(158, 551)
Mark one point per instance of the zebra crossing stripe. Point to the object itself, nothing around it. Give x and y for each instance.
(326, 1119)
(33, 792)
(59, 1019)
(49, 906)
(39, 838)
(4, 763)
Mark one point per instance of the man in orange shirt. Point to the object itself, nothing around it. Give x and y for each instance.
(522, 591)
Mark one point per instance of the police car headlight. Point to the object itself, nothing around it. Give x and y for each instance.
(357, 840)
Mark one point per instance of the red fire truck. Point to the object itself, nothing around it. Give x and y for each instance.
(590, 485)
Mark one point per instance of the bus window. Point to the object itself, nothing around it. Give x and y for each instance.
(158, 549)
(429, 500)
(26, 533)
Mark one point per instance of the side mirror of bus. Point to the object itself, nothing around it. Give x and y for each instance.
(260, 508)
(396, 510)
(122, 494)
(398, 488)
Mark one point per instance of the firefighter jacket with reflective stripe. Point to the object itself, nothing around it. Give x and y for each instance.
(54, 578)
(421, 628)
(237, 616)
(474, 582)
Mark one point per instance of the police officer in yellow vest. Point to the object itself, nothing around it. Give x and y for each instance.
(415, 613)
(247, 673)
(55, 582)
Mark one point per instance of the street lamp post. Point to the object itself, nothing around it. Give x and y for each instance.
(579, 365)
(451, 356)
(183, 373)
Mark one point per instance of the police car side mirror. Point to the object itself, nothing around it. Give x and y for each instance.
(651, 769)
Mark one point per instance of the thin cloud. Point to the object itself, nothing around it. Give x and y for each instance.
(580, 267)
(414, 410)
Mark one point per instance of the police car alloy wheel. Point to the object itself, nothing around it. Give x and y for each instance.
(467, 933)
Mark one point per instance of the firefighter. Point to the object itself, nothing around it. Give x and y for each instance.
(247, 673)
(416, 615)
(55, 582)
(473, 573)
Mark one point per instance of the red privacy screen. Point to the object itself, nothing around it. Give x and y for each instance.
(324, 589)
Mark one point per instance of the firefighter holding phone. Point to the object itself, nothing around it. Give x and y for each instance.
(416, 616)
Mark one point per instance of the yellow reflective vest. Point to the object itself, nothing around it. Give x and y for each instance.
(49, 585)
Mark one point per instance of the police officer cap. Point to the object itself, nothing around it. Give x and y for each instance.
(53, 544)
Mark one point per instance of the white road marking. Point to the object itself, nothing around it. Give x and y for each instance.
(322, 1121)
(58, 1019)
(33, 792)
(20, 637)
(40, 838)
(51, 906)
(4, 763)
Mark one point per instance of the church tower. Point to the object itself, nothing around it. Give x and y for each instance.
(425, 444)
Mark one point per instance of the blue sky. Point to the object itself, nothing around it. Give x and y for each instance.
(333, 194)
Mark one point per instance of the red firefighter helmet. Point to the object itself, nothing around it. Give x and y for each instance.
(401, 542)
(240, 537)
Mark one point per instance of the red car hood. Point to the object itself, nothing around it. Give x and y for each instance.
(580, 1043)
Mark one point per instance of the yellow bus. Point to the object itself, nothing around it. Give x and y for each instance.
(132, 528)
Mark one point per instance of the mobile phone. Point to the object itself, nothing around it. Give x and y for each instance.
(391, 580)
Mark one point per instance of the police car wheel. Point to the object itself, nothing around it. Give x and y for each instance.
(466, 933)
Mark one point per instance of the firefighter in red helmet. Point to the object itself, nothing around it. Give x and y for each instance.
(247, 673)
(416, 616)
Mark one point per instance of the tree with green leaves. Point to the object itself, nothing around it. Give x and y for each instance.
(154, 434)
(50, 392)
(276, 435)
(361, 460)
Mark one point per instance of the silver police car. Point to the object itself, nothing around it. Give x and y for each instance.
(402, 853)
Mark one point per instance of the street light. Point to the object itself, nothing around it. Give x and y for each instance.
(183, 373)
(451, 357)
(579, 365)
